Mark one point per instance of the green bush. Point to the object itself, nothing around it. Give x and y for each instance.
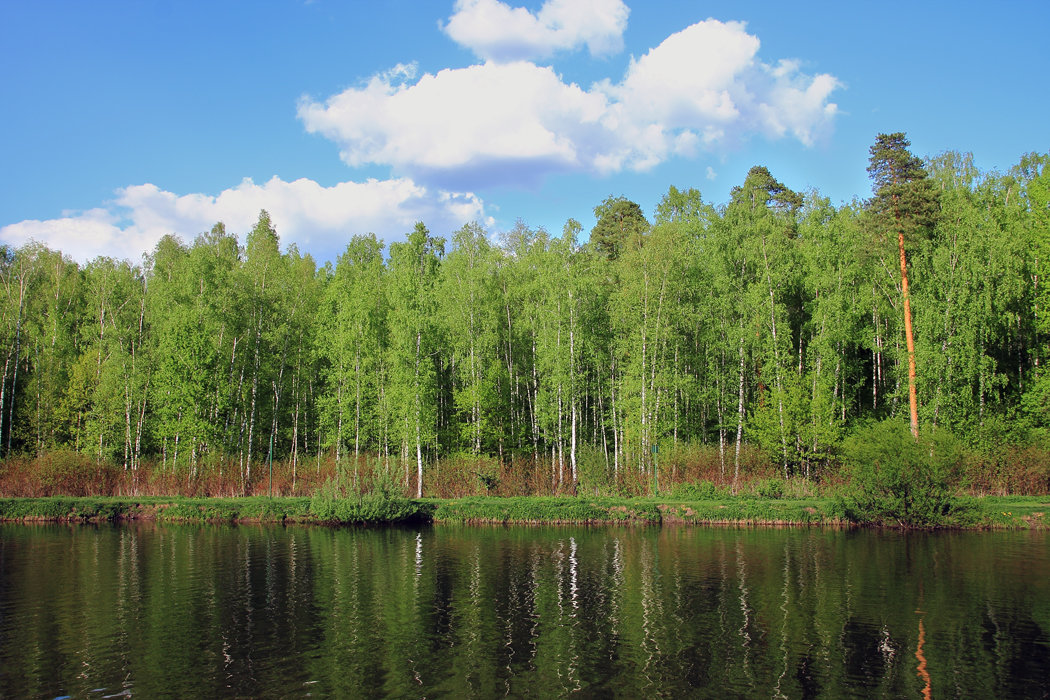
(770, 488)
(336, 501)
(489, 479)
(897, 480)
(68, 473)
(699, 491)
(595, 476)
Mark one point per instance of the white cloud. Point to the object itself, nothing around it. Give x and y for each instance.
(481, 117)
(707, 80)
(320, 220)
(702, 89)
(496, 31)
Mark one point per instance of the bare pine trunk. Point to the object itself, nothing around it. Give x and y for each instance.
(913, 399)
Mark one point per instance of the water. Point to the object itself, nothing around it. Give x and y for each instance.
(205, 611)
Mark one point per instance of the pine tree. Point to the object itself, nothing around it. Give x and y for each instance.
(620, 222)
(906, 204)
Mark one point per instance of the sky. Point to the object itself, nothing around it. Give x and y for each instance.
(126, 121)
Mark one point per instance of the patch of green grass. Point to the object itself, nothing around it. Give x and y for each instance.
(251, 509)
(63, 508)
(753, 511)
(632, 510)
(1015, 512)
(192, 510)
(379, 509)
(549, 509)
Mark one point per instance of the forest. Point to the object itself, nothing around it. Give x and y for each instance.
(719, 342)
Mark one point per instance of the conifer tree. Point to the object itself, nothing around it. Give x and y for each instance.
(619, 222)
(905, 204)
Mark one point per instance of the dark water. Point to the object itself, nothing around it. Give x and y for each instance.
(207, 611)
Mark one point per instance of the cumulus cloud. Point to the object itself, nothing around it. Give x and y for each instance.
(496, 31)
(484, 116)
(702, 89)
(318, 219)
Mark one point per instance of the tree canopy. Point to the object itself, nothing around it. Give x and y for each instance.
(773, 324)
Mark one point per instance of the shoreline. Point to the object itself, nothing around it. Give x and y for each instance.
(978, 513)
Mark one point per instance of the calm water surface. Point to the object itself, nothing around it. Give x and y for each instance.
(204, 611)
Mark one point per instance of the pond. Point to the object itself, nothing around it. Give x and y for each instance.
(153, 610)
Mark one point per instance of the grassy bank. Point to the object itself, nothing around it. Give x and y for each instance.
(1010, 512)
(975, 513)
(191, 510)
(749, 511)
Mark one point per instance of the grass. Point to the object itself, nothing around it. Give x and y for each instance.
(1009, 512)
(550, 509)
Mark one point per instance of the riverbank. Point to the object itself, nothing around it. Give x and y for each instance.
(1012, 512)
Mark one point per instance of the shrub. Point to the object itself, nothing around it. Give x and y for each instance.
(595, 476)
(699, 491)
(69, 473)
(770, 488)
(337, 501)
(894, 479)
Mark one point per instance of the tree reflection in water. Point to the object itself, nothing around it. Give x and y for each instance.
(528, 612)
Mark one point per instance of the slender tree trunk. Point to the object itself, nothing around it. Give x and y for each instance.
(720, 410)
(604, 425)
(572, 385)
(18, 346)
(674, 426)
(255, 388)
(739, 410)
(913, 399)
(876, 356)
(357, 402)
(339, 417)
(776, 360)
(232, 416)
(140, 423)
(615, 421)
(645, 375)
(419, 440)
(127, 420)
(534, 398)
(3, 396)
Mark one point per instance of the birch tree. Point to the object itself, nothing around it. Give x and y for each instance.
(413, 273)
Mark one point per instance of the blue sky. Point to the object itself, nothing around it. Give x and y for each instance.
(124, 121)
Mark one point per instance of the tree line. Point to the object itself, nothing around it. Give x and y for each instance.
(775, 321)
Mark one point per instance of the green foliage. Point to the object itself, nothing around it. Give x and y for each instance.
(761, 190)
(770, 488)
(897, 480)
(554, 510)
(35, 508)
(69, 473)
(620, 225)
(699, 491)
(743, 341)
(692, 507)
(595, 476)
(489, 481)
(904, 195)
(339, 502)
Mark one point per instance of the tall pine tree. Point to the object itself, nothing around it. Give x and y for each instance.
(905, 203)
